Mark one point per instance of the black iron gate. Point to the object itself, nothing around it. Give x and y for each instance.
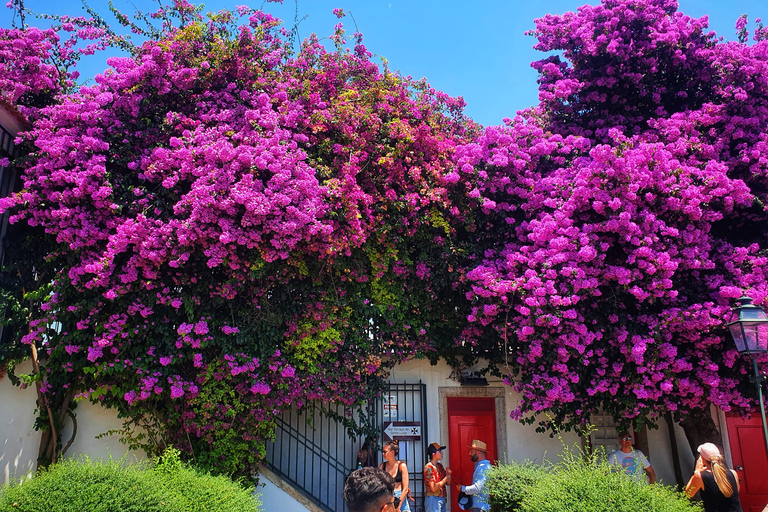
(402, 414)
(315, 451)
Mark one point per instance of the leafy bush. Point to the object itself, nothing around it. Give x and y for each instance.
(507, 483)
(116, 486)
(579, 483)
(598, 487)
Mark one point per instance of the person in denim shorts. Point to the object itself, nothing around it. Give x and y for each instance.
(436, 480)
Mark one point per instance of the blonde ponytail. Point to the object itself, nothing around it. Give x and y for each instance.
(721, 476)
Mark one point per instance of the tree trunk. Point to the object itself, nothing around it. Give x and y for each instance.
(50, 443)
(47, 452)
(700, 428)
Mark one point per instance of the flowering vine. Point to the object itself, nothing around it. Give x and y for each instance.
(231, 223)
(222, 228)
(623, 216)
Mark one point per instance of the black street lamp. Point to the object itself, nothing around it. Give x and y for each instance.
(750, 333)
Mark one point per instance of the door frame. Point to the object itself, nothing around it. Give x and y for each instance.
(500, 406)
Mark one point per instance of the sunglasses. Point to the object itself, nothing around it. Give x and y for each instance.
(626, 438)
(396, 503)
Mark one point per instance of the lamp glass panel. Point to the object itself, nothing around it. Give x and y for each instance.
(738, 337)
(751, 337)
(762, 338)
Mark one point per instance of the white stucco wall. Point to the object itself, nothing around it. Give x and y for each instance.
(19, 442)
(660, 454)
(10, 121)
(522, 441)
(274, 498)
(275, 494)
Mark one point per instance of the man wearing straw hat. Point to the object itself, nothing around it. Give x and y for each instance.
(477, 454)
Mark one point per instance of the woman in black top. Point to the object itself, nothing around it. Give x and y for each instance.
(399, 471)
(719, 485)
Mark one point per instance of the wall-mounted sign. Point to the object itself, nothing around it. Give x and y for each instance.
(405, 430)
(390, 406)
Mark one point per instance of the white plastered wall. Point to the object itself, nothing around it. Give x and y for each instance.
(19, 441)
(522, 442)
(660, 453)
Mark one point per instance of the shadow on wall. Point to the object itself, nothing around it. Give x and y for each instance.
(19, 441)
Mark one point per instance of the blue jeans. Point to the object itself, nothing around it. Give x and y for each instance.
(434, 504)
(404, 507)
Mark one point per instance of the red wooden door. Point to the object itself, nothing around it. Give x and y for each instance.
(750, 460)
(468, 419)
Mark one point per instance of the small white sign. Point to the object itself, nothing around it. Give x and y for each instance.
(390, 406)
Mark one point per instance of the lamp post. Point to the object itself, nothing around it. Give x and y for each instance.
(750, 333)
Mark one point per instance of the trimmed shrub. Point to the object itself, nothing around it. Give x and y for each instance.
(587, 486)
(507, 483)
(578, 483)
(86, 485)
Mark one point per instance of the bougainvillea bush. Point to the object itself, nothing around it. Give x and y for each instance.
(223, 226)
(234, 229)
(626, 213)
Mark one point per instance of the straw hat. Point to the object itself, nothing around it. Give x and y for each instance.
(478, 445)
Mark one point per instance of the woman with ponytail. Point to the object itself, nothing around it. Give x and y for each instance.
(719, 485)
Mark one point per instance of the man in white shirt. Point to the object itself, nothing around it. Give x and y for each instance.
(632, 461)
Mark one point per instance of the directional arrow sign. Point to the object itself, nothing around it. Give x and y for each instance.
(410, 430)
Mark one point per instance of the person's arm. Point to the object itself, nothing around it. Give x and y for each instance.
(695, 484)
(430, 475)
(433, 484)
(651, 474)
(477, 486)
(404, 470)
(448, 477)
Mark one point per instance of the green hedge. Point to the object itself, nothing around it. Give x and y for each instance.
(85, 485)
(507, 483)
(578, 484)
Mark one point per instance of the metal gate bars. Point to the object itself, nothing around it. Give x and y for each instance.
(315, 450)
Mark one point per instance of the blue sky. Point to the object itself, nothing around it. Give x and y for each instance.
(477, 50)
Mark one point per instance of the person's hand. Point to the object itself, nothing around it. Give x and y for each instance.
(699, 464)
(449, 471)
(458, 487)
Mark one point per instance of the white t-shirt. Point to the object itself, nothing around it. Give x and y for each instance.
(633, 463)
